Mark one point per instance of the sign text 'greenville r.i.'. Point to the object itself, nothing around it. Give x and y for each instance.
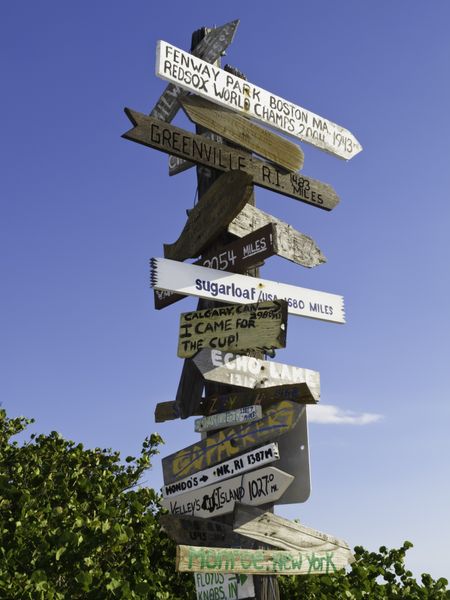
(228, 90)
(194, 280)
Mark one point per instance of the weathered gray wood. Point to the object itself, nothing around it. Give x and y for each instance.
(289, 243)
(189, 392)
(210, 48)
(227, 443)
(258, 487)
(249, 372)
(244, 132)
(237, 327)
(237, 560)
(246, 414)
(173, 140)
(258, 457)
(236, 257)
(223, 88)
(271, 529)
(212, 214)
(178, 165)
(202, 532)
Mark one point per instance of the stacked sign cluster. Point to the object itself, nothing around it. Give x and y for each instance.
(253, 453)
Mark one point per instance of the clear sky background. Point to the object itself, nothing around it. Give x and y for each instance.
(82, 210)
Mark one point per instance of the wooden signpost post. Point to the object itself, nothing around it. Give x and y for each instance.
(224, 286)
(225, 89)
(237, 327)
(258, 487)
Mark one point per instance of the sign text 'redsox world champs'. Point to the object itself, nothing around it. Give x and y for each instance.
(228, 90)
(185, 278)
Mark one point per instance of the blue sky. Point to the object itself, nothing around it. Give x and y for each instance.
(82, 210)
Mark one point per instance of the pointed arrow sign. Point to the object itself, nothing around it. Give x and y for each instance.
(255, 488)
(210, 48)
(236, 466)
(246, 414)
(225, 89)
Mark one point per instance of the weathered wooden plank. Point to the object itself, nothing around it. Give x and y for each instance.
(244, 462)
(229, 287)
(178, 165)
(243, 132)
(189, 392)
(249, 372)
(246, 414)
(227, 443)
(173, 140)
(289, 243)
(225, 89)
(212, 214)
(225, 586)
(236, 257)
(210, 48)
(202, 532)
(237, 560)
(271, 529)
(237, 327)
(258, 487)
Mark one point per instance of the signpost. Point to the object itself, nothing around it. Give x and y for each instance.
(228, 443)
(224, 286)
(243, 132)
(249, 372)
(212, 214)
(236, 327)
(225, 89)
(258, 487)
(247, 414)
(258, 562)
(195, 148)
(224, 586)
(244, 462)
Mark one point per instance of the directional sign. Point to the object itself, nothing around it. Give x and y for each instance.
(258, 562)
(243, 132)
(244, 462)
(178, 165)
(238, 256)
(225, 89)
(215, 210)
(247, 414)
(289, 243)
(227, 443)
(249, 372)
(258, 487)
(203, 532)
(210, 48)
(224, 586)
(224, 286)
(173, 140)
(267, 528)
(238, 327)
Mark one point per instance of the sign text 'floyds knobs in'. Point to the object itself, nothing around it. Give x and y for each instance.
(230, 91)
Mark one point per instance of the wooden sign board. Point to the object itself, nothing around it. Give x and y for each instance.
(228, 443)
(225, 89)
(267, 528)
(258, 487)
(259, 457)
(212, 214)
(238, 327)
(178, 165)
(195, 148)
(249, 372)
(289, 243)
(259, 562)
(203, 532)
(224, 586)
(210, 48)
(243, 132)
(246, 414)
(223, 286)
(237, 257)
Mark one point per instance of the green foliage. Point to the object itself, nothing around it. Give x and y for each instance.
(74, 524)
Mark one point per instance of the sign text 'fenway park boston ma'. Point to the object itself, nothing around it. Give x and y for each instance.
(220, 490)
